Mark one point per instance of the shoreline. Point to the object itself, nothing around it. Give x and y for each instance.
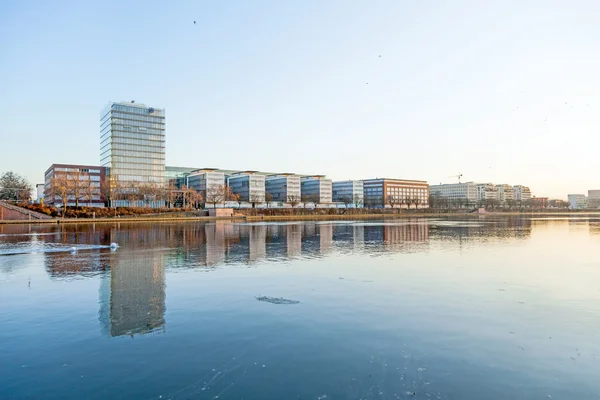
(303, 217)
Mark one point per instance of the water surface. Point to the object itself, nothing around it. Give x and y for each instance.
(484, 308)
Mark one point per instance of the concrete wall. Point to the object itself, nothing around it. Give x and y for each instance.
(220, 212)
(12, 215)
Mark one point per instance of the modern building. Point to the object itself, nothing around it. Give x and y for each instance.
(177, 176)
(209, 182)
(249, 186)
(466, 191)
(316, 189)
(284, 188)
(384, 192)
(79, 184)
(348, 193)
(578, 201)
(539, 202)
(594, 198)
(506, 193)
(487, 192)
(522, 193)
(132, 144)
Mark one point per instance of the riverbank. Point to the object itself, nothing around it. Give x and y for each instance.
(299, 217)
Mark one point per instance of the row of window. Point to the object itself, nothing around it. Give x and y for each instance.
(117, 108)
(136, 122)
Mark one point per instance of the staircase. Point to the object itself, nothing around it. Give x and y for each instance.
(12, 212)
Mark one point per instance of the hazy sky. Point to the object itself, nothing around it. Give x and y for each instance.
(500, 91)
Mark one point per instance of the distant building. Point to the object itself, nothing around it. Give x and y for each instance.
(39, 189)
(381, 192)
(284, 187)
(249, 185)
(506, 193)
(83, 185)
(466, 191)
(132, 143)
(348, 192)
(207, 179)
(594, 198)
(316, 189)
(177, 176)
(522, 193)
(578, 201)
(539, 202)
(487, 192)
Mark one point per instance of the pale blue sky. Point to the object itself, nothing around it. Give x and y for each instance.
(477, 87)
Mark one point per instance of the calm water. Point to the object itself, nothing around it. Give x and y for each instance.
(413, 309)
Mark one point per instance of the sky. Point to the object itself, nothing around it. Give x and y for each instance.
(499, 91)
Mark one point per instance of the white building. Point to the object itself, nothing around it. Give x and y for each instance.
(316, 190)
(249, 186)
(594, 198)
(578, 201)
(487, 191)
(39, 189)
(506, 193)
(456, 191)
(350, 193)
(522, 193)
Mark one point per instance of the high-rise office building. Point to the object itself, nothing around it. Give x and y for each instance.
(132, 144)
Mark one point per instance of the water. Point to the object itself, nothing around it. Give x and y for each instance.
(485, 308)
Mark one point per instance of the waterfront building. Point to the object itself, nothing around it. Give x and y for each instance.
(284, 188)
(39, 192)
(506, 193)
(383, 192)
(521, 193)
(178, 176)
(316, 189)
(81, 184)
(594, 198)
(207, 181)
(249, 186)
(578, 201)
(348, 192)
(539, 202)
(132, 144)
(487, 192)
(466, 191)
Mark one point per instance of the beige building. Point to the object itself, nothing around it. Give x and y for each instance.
(522, 193)
(402, 193)
(594, 198)
(487, 191)
(506, 193)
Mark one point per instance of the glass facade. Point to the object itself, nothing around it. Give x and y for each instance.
(132, 143)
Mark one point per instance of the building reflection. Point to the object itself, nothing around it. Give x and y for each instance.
(132, 294)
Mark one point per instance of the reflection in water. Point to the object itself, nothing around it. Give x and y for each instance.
(132, 295)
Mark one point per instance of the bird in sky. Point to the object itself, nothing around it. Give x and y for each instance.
(380, 56)
(194, 22)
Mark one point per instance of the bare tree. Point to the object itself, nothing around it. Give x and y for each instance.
(256, 198)
(357, 200)
(293, 200)
(77, 182)
(347, 200)
(268, 198)
(190, 196)
(90, 190)
(416, 202)
(215, 194)
(60, 189)
(391, 200)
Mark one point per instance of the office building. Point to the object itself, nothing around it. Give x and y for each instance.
(578, 201)
(249, 186)
(594, 198)
(80, 184)
(487, 192)
(132, 144)
(506, 193)
(466, 191)
(384, 192)
(521, 193)
(316, 190)
(350, 193)
(177, 176)
(206, 181)
(284, 188)
(39, 192)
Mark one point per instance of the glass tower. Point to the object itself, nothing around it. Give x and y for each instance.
(132, 143)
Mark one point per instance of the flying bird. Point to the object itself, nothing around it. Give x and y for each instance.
(380, 56)
(194, 22)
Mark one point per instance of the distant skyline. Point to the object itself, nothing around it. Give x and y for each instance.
(502, 92)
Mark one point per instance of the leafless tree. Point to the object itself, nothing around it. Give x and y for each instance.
(347, 200)
(256, 198)
(268, 198)
(293, 200)
(77, 182)
(215, 195)
(392, 200)
(357, 201)
(60, 189)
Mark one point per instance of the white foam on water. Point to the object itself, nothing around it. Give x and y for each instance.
(53, 249)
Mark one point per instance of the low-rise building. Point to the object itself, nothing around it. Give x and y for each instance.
(348, 193)
(578, 201)
(249, 186)
(506, 193)
(385, 192)
(39, 192)
(210, 183)
(594, 198)
(466, 191)
(539, 202)
(178, 176)
(487, 192)
(75, 185)
(316, 190)
(284, 188)
(522, 193)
